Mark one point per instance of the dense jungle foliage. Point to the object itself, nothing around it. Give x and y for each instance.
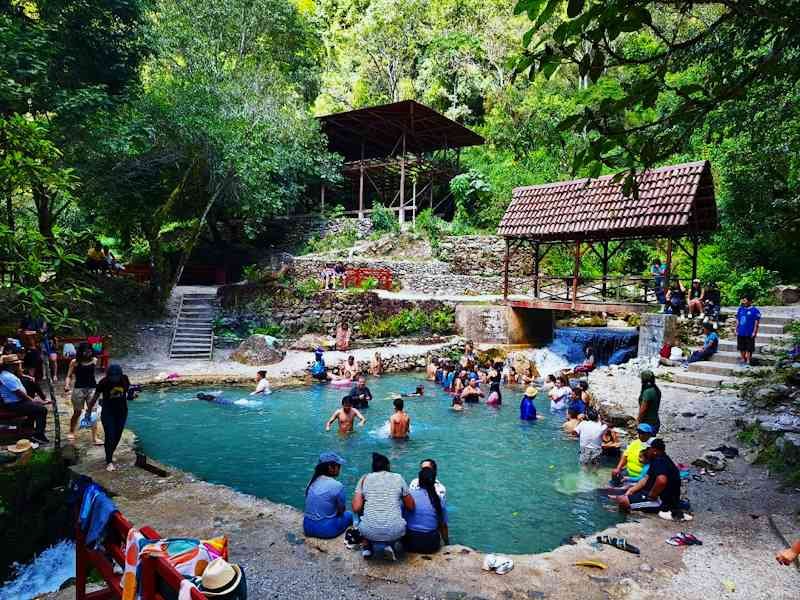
(155, 124)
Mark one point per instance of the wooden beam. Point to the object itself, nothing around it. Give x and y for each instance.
(505, 271)
(322, 198)
(695, 255)
(361, 183)
(536, 260)
(576, 274)
(402, 216)
(668, 272)
(604, 258)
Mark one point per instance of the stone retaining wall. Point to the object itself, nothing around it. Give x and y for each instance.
(484, 255)
(322, 311)
(432, 277)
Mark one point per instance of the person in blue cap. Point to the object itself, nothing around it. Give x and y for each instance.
(325, 515)
(113, 393)
(630, 462)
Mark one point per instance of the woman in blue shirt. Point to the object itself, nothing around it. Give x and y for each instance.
(325, 515)
(709, 347)
(426, 525)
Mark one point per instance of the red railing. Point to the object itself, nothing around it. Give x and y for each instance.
(354, 277)
(156, 573)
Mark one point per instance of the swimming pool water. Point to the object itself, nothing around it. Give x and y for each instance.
(512, 486)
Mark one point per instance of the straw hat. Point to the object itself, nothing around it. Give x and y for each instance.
(531, 391)
(22, 446)
(220, 578)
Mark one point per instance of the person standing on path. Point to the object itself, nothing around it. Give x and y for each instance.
(649, 401)
(113, 391)
(748, 318)
(79, 387)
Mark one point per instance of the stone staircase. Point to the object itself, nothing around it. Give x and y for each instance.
(723, 367)
(194, 329)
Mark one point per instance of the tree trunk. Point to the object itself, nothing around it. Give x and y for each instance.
(44, 215)
(12, 225)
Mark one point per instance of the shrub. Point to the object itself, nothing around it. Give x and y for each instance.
(270, 328)
(384, 219)
(431, 226)
(756, 282)
(409, 322)
(307, 287)
(253, 273)
(370, 283)
(339, 241)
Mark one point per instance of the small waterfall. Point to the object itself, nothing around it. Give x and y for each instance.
(611, 346)
(45, 573)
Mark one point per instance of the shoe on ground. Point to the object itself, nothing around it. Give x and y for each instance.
(388, 553)
(41, 439)
(111, 467)
(366, 553)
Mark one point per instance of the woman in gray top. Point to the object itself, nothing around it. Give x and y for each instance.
(380, 497)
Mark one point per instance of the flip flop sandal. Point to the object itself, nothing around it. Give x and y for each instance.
(691, 539)
(678, 540)
(697, 477)
(505, 566)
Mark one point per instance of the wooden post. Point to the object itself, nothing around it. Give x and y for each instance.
(361, 184)
(605, 267)
(402, 216)
(414, 201)
(81, 565)
(668, 272)
(505, 272)
(695, 252)
(322, 198)
(536, 269)
(431, 194)
(576, 274)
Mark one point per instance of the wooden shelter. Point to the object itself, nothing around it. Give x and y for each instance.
(675, 203)
(390, 148)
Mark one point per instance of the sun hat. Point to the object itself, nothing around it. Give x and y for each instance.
(331, 457)
(645, 428)
(220, 578)
(531, 391)
(21, 446)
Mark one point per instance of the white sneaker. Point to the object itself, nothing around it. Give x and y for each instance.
(111, 467)
(388, 553)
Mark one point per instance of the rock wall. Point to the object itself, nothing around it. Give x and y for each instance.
(324, 310)
(484, 255)
(293, 232)
(431, 277)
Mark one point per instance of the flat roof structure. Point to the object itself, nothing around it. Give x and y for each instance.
(392, 147)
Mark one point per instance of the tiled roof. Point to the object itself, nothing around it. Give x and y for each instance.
(673, 200)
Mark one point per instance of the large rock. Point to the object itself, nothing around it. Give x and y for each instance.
(312, 341)
(712, 460)
(491, 354)
(257, 350)
(786, 294)
(789, 445)
(780, 423)
(769, 395)
(524, 365)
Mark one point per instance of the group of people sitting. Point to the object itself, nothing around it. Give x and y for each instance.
(100, 259)
(696, 301)
(333, 276)
(390, 515)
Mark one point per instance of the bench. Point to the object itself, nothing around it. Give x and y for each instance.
(22, 427)
(354, 277)
(104, 357)
(157, 574)
(141, 273)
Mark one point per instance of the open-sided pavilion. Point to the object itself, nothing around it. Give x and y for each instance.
(397, 153)
(675, 203)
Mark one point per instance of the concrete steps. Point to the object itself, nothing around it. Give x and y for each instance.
(193, 337)
(701, 379)
(732, 357)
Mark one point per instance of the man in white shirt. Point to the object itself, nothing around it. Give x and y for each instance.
(590, 433)
(262, 384)
(15, 399)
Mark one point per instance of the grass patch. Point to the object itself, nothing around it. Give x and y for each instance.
(409, 322)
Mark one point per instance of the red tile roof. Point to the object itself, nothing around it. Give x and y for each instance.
(672, 201)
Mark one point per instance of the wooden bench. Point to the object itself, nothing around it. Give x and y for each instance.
(354, 277)
(157, 574)
(104, 356)
(22, 427)
(141, 273)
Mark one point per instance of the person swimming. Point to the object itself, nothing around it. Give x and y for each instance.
(418, 393)
(216, 398)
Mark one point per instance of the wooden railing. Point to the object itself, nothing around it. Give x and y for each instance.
(157, 574)
(622, 289)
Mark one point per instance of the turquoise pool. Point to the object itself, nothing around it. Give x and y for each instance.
(511, 486)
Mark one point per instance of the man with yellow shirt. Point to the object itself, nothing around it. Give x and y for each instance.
(630, 460)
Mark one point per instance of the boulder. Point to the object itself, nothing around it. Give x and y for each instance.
(786, 294)
(789, 445)
(769, 395)
(312, 341)
(257, 350)
(780, 423)
(711, 460)
(524, 365)
(492, 354)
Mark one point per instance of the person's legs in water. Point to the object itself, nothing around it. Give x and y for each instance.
(113, 424)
